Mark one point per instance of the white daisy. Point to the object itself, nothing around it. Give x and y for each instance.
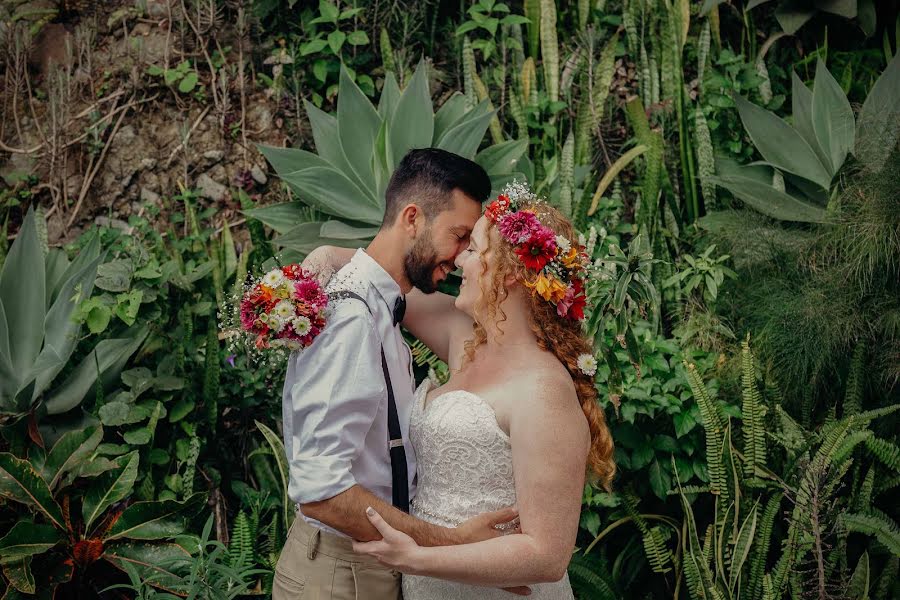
(563, 243)
(284, 309)
(587, 364)
(276, 322)
(273, 278)
(301, 325)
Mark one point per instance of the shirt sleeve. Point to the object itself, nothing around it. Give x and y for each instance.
(334, 394)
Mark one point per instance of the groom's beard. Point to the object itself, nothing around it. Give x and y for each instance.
(420, 263)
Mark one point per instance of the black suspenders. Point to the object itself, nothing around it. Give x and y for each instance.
(399, 473)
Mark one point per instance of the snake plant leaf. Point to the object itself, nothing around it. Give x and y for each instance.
(19, 482)
(832, 118)
(878, 126)
(780, 144)
(284, 472)
(745, 538)
(155, 520)
(801, 109)
(390, 96)
(357, 125)
(768, 200)
(27, 539)
(22, 280)
(415, 125)
(333, 193)
(109, 488)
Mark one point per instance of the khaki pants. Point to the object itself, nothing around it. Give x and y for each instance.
(315, 565)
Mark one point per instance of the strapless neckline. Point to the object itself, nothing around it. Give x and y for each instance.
(425, 404)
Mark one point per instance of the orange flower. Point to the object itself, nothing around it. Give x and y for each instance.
(550, 288)
(571, 259)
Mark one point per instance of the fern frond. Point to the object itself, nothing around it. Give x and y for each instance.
(862, 499)
(849, 445)
(875, 524)
(714, 424)
(690, 489)
(658, 554)
(240, 547)
(887, 452)
(887, 484)
(761, 547)
(887, 580)
(588, 581)
(753, 414)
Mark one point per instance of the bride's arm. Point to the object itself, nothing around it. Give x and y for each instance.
(550, 441)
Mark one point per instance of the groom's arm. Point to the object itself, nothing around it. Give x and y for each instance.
(346, 512)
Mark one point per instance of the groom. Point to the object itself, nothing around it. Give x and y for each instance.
(347, 398)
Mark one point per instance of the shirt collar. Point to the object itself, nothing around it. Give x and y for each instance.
(387, 288)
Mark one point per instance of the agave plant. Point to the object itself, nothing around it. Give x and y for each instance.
(59, 538)
(793, 14)
(358, 149)
(793, 182)
(39, 289)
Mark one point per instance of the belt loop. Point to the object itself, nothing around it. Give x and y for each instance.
(312, 544)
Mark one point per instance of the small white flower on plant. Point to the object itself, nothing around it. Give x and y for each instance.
(563, 243)
(301, 325)
(273, 278)
(284, 309)
(587, 364)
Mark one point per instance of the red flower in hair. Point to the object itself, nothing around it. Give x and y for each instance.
(293, 271)
(579, 301)
(538, 250)
(497, 208)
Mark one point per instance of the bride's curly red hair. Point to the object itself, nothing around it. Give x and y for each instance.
(563, 337)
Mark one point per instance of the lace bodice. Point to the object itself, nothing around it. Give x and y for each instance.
(464, 469)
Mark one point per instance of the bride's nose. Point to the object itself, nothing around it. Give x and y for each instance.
(457, 262)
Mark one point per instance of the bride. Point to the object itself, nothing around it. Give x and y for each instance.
(518, 420)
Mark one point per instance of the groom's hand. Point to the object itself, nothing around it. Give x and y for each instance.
(487, 526)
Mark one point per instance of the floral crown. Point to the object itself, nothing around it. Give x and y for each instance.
(559, 264)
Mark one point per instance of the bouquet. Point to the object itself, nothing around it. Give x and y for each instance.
(282, 310)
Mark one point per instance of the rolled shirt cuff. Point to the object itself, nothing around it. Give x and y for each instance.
(316, 478)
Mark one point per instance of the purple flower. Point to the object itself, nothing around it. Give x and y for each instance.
(518, 227)
(230, 360)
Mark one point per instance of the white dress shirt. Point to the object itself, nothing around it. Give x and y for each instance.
(334, 403)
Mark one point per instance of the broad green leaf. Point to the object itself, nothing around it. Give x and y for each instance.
(771, 202)
(390, 96)
(110, 354)
(55, 264)
(288, 160)
(109, 488)
(312, 47)
(22, 281)
(328, 143)
(182, 408)
(138, 437)
(832, 118)
(860, 581)
(336, 40)
(128, 305)
(414, 125)
(20, 578)
(660, 480)
(449, 114)
(879, 120)
(27, 539)
(464, 138)
(71, 450)
(97, 315)
(188, 83)
(801, 109)
(358, 38)
(114, 413)
(155, 520)
(331, 192)
(344, 231)
(19, 482)
(780, 144)
(280, 217)
(357, 125)
(792, 16)
(115, 275)
(503, 157)
(306, 237)
(161, 563)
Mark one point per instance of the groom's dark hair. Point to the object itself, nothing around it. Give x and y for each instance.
(427, 177)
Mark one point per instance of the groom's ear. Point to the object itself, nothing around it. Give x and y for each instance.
(411, 219)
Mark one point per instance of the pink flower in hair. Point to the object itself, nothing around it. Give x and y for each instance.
(518, 227)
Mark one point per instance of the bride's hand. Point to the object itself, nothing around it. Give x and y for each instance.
(395, 550)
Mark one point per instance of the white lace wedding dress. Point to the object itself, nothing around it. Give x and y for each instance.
(464, 463)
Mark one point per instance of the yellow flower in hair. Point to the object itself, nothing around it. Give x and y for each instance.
(570, 259)
(550, 288)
